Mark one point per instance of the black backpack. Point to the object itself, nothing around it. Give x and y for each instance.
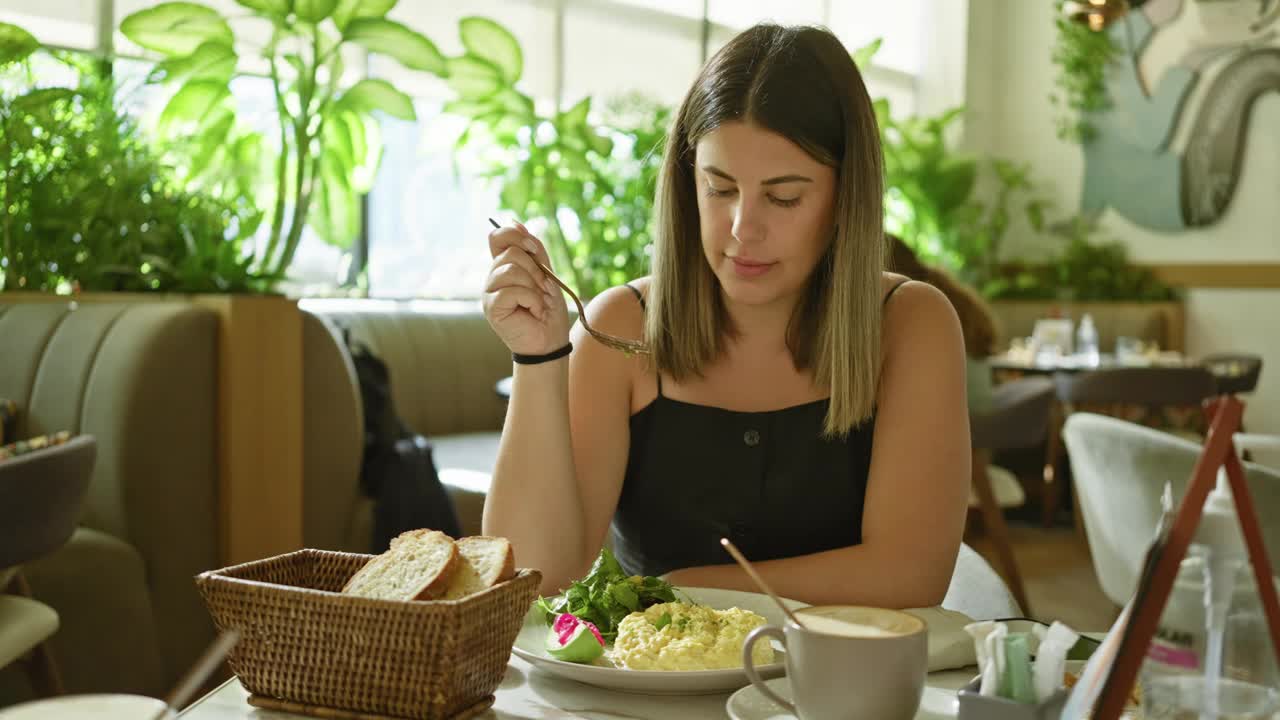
(397, 470)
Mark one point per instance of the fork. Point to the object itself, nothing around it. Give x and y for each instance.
(630, 347)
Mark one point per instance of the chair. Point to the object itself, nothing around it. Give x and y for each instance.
(1168, 398)
(1261, 449)
(977, 590)
(1234, 372)
(41, 494)
(1018, 418)
(1120, 469)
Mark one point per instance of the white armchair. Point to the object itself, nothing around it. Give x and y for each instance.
(1119, 469)
(1265, 449)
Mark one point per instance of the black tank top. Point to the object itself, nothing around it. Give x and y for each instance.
(768, 481)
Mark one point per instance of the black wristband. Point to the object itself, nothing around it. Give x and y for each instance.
(535, 359)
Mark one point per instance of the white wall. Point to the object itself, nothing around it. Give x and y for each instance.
(1009, 79)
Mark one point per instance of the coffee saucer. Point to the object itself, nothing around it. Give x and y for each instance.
(751, 704)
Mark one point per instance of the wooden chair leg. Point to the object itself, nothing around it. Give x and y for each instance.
(993, 519)
(42, 670)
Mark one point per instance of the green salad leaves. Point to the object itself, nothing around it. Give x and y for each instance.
(607, 595)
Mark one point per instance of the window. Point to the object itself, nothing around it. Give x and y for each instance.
(427, 226)
(612, 51)
(427, 223)
(899, 23)
(62, 23)
(740, 14)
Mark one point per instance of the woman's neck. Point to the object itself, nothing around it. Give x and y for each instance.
(760, 327)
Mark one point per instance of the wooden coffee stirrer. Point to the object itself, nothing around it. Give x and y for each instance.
(758, 580)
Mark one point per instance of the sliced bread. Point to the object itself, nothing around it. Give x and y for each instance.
(419, 565)
(485, 562)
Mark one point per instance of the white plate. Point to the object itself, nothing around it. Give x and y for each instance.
(751, 704)
(531, 646)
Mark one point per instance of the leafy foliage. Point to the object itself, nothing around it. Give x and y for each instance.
(929, 192)
(90, 204)
(1085, 270)
(606, 595)
(593, 181)
(327, 150)
(1082, 56)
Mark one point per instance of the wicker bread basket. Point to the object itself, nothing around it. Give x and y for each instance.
(305, 643)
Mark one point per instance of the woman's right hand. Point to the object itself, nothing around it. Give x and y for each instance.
(524, 307)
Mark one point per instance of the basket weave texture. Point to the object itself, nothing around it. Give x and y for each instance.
(305, 642)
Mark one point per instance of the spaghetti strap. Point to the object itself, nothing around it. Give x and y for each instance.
(636, 290)
(893, 290)
(640, 297)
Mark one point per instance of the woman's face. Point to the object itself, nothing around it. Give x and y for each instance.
(765, 208)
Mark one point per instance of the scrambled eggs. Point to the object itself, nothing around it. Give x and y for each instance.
(679, 636)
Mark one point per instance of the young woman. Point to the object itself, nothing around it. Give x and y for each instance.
(799, 400)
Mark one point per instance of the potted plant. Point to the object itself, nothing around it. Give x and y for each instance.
(181, 206)
(591, 179)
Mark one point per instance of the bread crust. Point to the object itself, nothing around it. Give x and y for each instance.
(431, 586)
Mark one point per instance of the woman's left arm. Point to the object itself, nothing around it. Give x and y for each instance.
(918, 489)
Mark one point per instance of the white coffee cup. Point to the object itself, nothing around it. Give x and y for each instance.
(849, 663)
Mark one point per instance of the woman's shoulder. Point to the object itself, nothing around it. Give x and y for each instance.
(620, 310)
(893, 285)
(914, 308)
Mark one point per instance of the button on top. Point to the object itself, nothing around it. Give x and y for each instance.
(751, 438)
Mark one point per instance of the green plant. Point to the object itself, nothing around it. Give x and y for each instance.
(88, 204)
(1084, 270)
(1082, 56)
(930, 192)
(593, 182)
(323, 158)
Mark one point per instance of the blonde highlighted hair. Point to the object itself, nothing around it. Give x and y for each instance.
(801, 83)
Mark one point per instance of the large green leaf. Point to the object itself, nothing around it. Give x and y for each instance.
(211, 141)
(213, 60)
(517, 191)
(274, 8)
(336, 214)
(299, 65)
(337, 139)
(371, 94)
(515, 103)
(176, 28)
(863, 55)
(15, 44)
(388, 37)
(365, 148)
(474, 78)
(576, 116)
(251, 157)
(313, 11)
(349, 10)
(41, 99)
(490, 41)
(193, 102)
(468, 108)
(600, 144)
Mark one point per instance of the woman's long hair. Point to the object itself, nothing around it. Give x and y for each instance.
(801, 83)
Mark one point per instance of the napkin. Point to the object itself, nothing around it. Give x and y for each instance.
(950, 647)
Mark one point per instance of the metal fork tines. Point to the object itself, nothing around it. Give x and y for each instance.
(630, 347)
